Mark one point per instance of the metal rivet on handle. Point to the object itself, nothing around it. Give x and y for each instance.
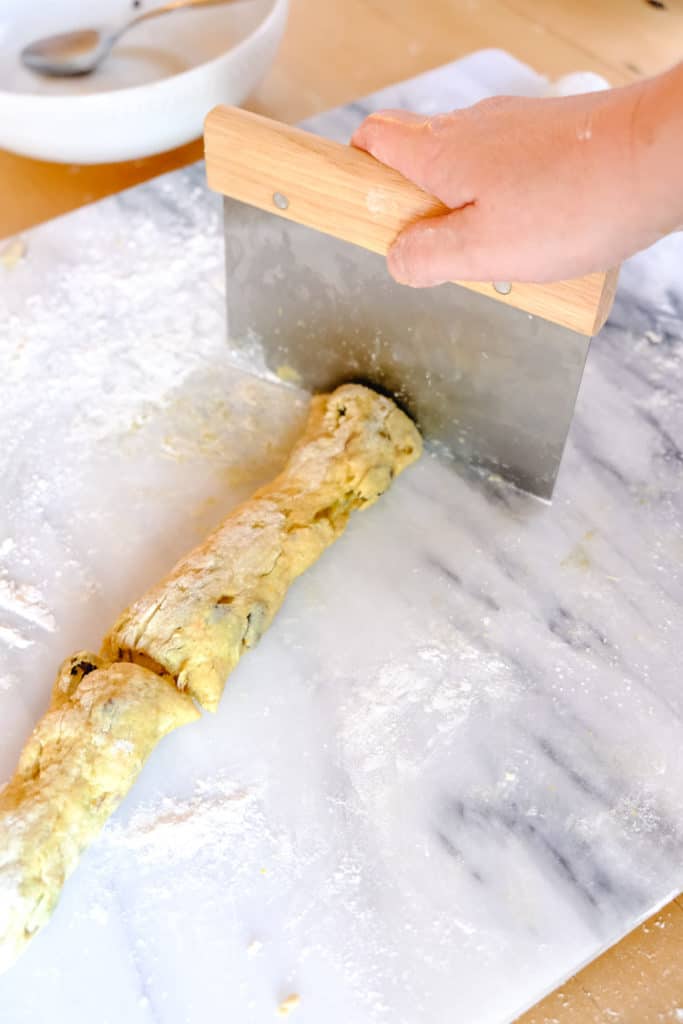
(502, 287)
(281, 201)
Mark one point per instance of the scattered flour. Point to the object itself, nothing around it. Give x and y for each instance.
(13, 638)
(99, 914)
(183, 829)
(375, 200)
(7, 547)
(126, 746)
(428, 694)
(26, 602)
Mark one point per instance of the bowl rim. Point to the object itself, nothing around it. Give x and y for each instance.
(31, 100)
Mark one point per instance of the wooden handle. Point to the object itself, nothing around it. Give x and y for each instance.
(346, 193)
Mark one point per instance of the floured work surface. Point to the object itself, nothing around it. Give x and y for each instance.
(451, 771)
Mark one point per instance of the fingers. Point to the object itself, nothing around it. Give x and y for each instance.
(402, 140)
(471, 245)
(434, 250)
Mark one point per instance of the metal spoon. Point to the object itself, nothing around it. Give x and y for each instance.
(80, 52)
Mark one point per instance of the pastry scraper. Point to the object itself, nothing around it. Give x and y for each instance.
(489, 371)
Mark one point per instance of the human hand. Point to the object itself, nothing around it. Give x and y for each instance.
(540, 189)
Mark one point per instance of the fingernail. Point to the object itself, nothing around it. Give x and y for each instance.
(401, 266)
(405, 269)
(396, 262)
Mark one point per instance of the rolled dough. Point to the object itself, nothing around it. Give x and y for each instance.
(216, 603)
(79, 763)
(177, 645)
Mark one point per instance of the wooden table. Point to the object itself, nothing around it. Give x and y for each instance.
(333, 51)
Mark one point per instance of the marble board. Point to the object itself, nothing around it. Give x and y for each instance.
(451, 772)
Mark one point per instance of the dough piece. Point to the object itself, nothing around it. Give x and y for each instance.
(217, 602)
(108, 713)
(76, 768)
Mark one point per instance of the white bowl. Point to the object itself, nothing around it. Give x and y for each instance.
(153, 91)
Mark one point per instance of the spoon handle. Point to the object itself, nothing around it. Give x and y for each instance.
(168, 8)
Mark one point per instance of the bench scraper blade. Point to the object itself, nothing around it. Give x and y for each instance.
(309, 299)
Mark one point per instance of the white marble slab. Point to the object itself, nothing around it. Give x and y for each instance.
(451, 772)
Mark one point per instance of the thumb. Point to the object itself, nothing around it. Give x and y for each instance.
(439, 249)
(400, 139)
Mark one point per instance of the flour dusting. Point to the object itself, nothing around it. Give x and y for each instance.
(428, 694)
(14, 639)
(7, 547)
(177, 830)
(27, 602)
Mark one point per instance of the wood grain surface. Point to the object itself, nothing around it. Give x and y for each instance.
(638, 981)
(333, 51)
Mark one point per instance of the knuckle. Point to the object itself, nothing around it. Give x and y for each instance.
(440, 123)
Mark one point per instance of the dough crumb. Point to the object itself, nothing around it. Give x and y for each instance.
(288, 374)
(288, 1004)
(254, 947)
(13, 252)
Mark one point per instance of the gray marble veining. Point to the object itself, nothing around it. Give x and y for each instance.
(451, 772)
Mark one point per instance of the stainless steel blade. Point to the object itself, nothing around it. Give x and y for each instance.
(495, 386)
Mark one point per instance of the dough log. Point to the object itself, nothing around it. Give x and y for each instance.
(79, 763)
(177, 645)
(217, 602)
